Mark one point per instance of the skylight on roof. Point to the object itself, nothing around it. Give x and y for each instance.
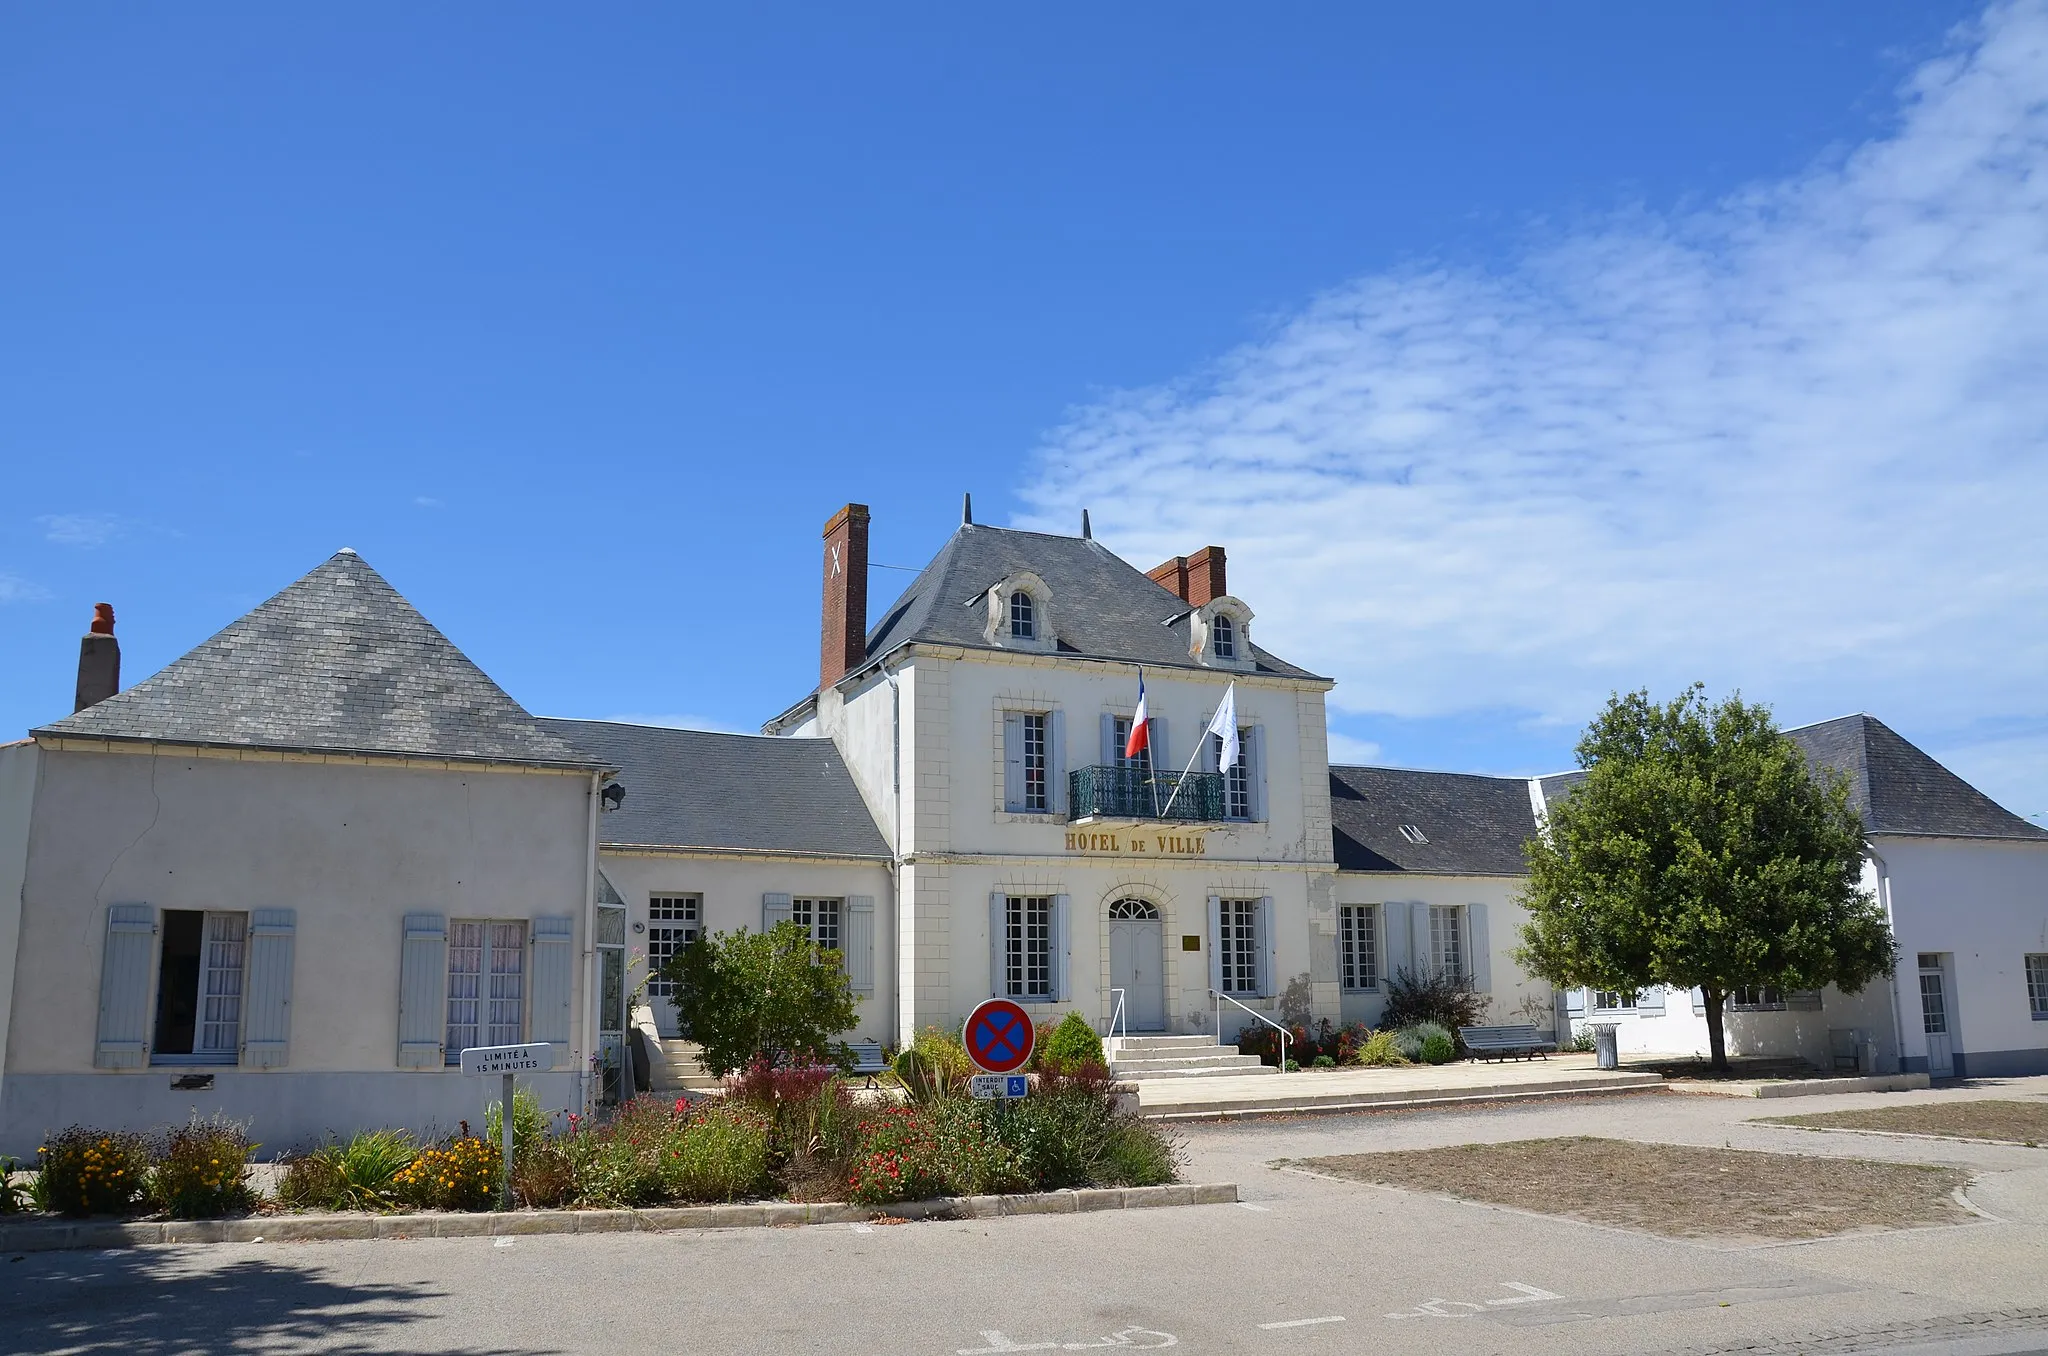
(1413, 834)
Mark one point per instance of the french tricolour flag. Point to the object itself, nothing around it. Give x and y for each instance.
(1141, 726)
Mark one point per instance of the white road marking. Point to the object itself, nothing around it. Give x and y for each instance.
(863, 1228)
(502, 1243)
(1449, 1308)
(1530, 1294)
(1247, 1205)
(1304, 1322)
(1133, 1339)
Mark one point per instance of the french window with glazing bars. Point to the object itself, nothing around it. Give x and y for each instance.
(486, 984)
(1023, 616)
(1034, 760)
(1121, 731)
(2037, 986)
(1358, 945)
(820, 918)
(671, 926)
(1237, 945)
(1027, 947)
(1237, 778)
(1447, 940)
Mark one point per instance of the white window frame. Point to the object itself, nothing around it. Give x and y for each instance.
(1023, 615)
(823, 919)
(1120, 729)
(1756, 998)
(1238, 802)
(1238, 946)
(502, 982)
(2036, 966)
(1614, 1000)
(1224, 637)
(1028, 960)
(1038, 800)
(673, 922)
(1448, 943)
(219, 990)
(1358, 947)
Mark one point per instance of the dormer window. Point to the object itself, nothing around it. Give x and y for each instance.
(1225, 637)
(1019, 614)
(1023, 616)
(1220, 633)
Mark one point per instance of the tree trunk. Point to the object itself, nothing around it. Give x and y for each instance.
(1717, 1039)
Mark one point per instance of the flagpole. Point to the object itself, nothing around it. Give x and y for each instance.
(1183, 776)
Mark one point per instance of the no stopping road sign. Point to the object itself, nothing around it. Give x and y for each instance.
(999, 1036)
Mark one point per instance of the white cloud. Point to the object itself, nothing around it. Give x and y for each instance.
(678, 722)
(15, 589)
(425, 501)
(80, 529)
(1795, 442)
(1347, 749)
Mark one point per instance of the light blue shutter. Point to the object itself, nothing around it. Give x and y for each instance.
(124, 987)
(553, 979)
(1394, 919)
(1013, 761)
(1650, 1002)
(1803, 1000)
(998, 935)
(1269, 949)
(774, 909)
(423, 992)
(1056, 762)
(1110, 749)
(1156, 741)
(1060, 960)
(1420, 957)
(1575, 1003)
(1216, 946)
(1254, 756)
(860, 942)
(1699, 1002)
(1479, 948)
(267, 1003)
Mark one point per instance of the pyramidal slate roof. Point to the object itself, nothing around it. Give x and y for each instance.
(338, 662)
(1103, 607)
(752, 793)
(1896, 786)
(1470, 825)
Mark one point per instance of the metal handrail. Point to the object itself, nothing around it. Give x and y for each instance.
(1222, 998)
(1116, 1018)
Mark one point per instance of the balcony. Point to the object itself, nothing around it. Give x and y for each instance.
(1136, 793)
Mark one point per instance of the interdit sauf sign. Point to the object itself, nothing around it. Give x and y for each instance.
(508, 1059)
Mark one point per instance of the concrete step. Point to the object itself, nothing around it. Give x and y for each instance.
(1136, 1043)
(1252, 1070)
(1214, 1057)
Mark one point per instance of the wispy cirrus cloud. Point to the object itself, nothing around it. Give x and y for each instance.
(79, 529)
(1796, 442)
(15, 589)
(678, 721)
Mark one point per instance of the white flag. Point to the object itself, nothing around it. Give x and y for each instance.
(1224, 726)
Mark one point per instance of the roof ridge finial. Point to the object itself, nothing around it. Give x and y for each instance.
(1087, 532)
(967, 510)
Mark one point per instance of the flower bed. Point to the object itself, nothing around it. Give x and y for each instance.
(796, 1134)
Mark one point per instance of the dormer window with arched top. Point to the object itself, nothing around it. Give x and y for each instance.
(1220, 634)
(1020, 614)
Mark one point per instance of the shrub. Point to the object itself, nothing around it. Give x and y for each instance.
(13, 1198)
(459, 1175)
(1439, 1047)
(529, 1123)
(92, 1172)
(898, 1158)
(1426, 1043)
(1137, 1153)
(771, 996)
(618, 1163)
(718, 1152)
(202, 1170)
(935, 1065)
(1323, 1062)
(1381, 1050)
(358, 1175)
(543, 1176)
(810, 1110)
(1073, 1044)
(1307, 1042)
(1449, 1001)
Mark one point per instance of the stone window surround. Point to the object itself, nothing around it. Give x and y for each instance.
(1201, 642)
(997, 630)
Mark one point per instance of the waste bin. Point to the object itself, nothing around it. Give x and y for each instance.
(1605, 1053)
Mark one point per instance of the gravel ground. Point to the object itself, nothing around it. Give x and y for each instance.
(1987, 1118)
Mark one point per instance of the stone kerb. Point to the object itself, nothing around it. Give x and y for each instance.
(58, 1235)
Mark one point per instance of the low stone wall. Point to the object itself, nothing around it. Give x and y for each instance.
(52, 1235)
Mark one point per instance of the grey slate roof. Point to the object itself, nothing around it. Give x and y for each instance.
(697, 789)
(1102, 606)
(1894, 785)
(1475, 826)
(338, 662)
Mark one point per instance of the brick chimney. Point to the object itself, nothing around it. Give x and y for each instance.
(1196, 579)
(843, 637)
(99, 660)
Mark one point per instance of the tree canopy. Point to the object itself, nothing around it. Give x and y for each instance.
(774, 996)
(1701, 851)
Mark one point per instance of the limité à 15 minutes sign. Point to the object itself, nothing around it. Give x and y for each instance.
(508, 1059)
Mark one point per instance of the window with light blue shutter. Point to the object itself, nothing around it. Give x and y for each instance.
(1013, 761)
(860, 943)
(1479, 948)
(1216, 946)
(549, 1019)
(1650, 1002)
(267, 1004)
(123, 1040)
(1268, 949)
(775, 908)
(423, 991)
(1061, 960)
(1056, 762)
(1254, 738)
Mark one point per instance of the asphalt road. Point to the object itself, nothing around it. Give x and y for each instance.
(1302, 1266)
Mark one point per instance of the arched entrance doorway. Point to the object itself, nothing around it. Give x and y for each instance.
(1137, 962)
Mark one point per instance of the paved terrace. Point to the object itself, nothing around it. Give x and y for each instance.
(1417, 1084)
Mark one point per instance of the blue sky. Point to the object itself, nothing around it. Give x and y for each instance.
(1517, 353)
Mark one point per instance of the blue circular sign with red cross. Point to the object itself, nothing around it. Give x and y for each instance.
(999, 1036)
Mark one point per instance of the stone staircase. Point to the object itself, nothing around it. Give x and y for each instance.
(679, 1070)
(1150, 1057)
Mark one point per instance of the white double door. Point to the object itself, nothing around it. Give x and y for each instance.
(1137, 965)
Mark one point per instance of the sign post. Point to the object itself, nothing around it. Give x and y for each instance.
(507, 1061)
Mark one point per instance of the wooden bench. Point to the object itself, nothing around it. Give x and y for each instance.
(867, 1060)
(1501, 1042)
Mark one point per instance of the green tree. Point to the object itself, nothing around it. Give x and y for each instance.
(1701, 851)
(774, 996)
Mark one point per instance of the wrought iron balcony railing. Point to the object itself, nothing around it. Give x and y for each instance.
(1142, 794)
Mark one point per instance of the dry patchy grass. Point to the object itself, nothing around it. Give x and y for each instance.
(1673, 1189)
(2012, 1122)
